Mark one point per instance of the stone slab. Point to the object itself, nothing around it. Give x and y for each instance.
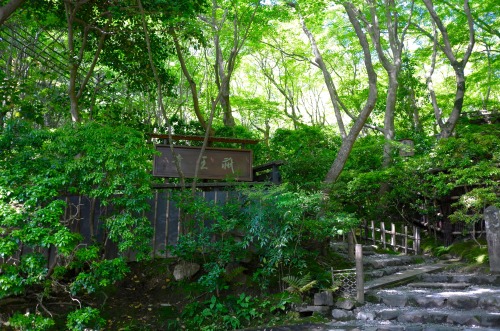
(492, 222)
(402, 276)
(453, 286)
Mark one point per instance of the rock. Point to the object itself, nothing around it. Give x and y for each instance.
(309, 310)
(345, 303)
(395, 300)
(413, 328)
(388, 314)
(324, 298)
(413, 317)
(463, 302)
(491, 303)
(185, 270)
(462, 319)
(391, 328)
(490, 320)
(430, 301)
(365, 316)
(342, 315)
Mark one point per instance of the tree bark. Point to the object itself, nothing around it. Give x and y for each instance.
(458, 66)
(7, 10)
(348, 142)
(318, 58)
(392, 67)
(191, 82)
(225, 69)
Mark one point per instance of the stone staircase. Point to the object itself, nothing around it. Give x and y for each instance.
(402, 295)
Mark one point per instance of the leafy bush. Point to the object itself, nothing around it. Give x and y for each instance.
(85, 319)
(465, 163)
(308, 153)
(276, 230)
(31, 322)
(230, 314)
(40, 167)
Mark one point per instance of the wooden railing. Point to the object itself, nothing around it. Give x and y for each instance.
(408, 240)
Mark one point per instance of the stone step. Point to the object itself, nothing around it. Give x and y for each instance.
(416, 316)
(474, 297)
(450, 286)
(378, 261)
(493, 280)
(377, 273)
(401, 277)
(369, 326)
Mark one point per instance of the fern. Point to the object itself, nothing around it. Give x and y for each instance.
(299, 285)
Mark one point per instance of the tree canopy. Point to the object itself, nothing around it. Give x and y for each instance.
(377, 107)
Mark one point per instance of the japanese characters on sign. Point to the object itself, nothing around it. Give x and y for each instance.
(215, 163)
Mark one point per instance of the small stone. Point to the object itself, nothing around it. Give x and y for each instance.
(463, 302)
(395, 300)
(324, 298)
(388, 314)
(345, 303)
(365, 316)
(342, 315)
(185, 270)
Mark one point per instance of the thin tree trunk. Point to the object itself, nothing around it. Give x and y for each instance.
(318, 58)
(192, 83)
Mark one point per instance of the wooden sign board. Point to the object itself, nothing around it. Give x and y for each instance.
(216, 163)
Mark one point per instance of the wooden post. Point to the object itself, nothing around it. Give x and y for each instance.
(393, 236)
(360, 285)
(373, 233)
(382, 234)
(417, 240)
(406, 240)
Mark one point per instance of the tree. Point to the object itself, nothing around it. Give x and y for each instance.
(241, 17)
(447, 127)
(349, 140)
(390, 57)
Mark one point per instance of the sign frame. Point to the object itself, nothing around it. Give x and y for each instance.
(216, 163)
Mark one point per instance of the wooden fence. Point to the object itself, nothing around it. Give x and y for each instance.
(407, 240)
(87, 218)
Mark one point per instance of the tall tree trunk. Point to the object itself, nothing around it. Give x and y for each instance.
(77, 58)
(391, 64)
(458, 66)
(348, 142)
(389, 130)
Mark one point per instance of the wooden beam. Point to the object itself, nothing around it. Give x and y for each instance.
(201, 138)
